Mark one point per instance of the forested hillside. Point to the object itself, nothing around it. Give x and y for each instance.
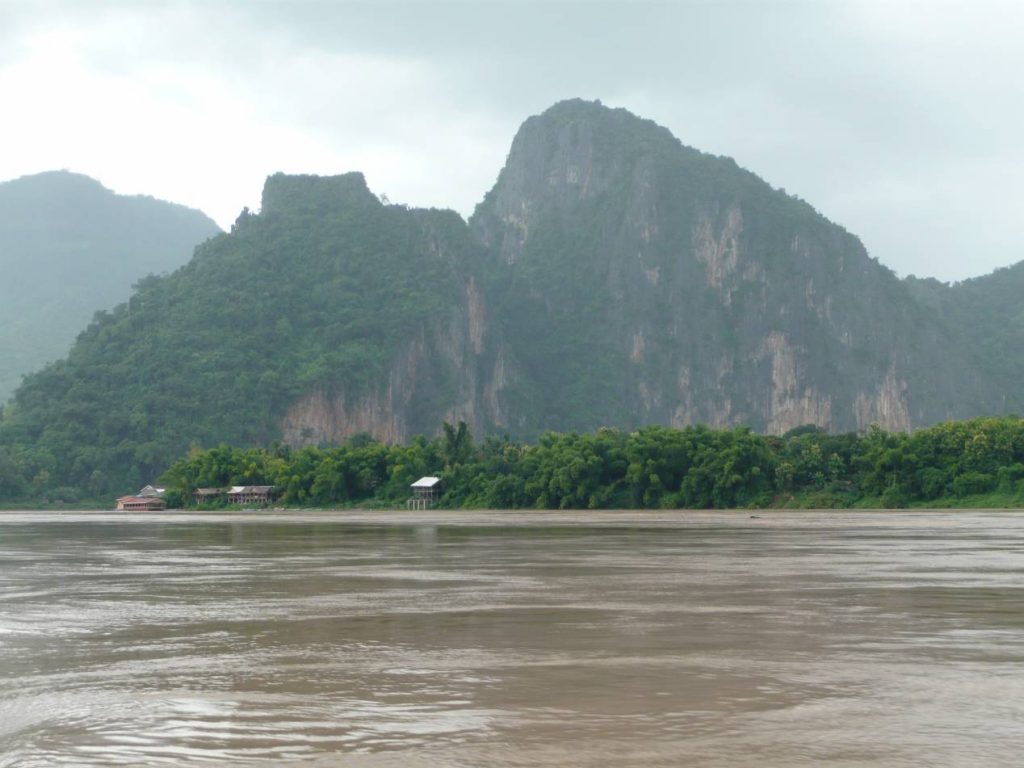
(70, 247)
(989, 312)
(315, 294)
(611, 278)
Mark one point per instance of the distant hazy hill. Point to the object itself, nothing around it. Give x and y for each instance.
(612, 276)
(989, 312)
(69, 247)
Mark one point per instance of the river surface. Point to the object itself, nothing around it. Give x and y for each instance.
(509, 639)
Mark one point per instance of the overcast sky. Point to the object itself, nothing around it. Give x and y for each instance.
(903, 122)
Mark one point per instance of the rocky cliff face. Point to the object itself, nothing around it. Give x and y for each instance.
(433, 369)
(625, 279)
(643, 281)
(434, 377)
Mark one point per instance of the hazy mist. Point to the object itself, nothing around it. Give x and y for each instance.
(900, 121)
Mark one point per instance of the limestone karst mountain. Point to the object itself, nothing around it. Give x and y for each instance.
(641, 281)
(612, 277)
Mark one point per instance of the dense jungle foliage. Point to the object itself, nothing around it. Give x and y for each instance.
(318, 290)
(967, 463)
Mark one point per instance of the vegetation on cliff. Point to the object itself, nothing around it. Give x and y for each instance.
(636, 280)
(317, 292)
(988, 312)
(951, 464)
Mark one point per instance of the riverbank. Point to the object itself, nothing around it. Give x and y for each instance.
(812, 501)
(548, 519)
(840, 500)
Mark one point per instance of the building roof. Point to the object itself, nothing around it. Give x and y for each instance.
(209, 491)
(251, 489)
(141, 500)
(426, 482)
(151, 490)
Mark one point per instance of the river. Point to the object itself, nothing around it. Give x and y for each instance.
(462, 640)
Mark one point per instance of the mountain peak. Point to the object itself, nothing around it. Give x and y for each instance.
(620, 126)
(52, 184)
(308, 193)
(575, 153)
(578, 107)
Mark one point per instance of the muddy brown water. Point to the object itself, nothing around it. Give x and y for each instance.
(511, 639)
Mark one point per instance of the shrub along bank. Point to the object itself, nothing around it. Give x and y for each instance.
(956, 464)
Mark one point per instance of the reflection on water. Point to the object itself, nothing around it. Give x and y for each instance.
(794, 639)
